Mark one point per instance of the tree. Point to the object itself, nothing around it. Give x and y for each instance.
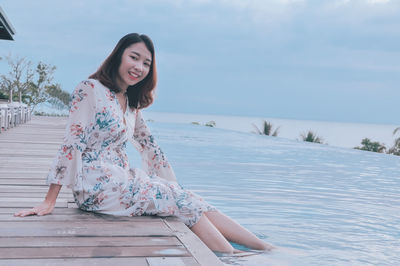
(18, 78)
(267, 129)
(39, 89)
(368, 145)
(33, 86)
(395, 150)
(59, 98)
(311, 137)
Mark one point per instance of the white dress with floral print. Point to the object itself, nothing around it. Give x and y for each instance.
(93, 162)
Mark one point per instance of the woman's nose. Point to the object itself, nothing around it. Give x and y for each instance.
(139, 67)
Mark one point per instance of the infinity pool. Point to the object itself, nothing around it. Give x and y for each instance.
(320, 205)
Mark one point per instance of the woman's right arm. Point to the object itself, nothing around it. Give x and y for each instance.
(46, 206)
(67, 165)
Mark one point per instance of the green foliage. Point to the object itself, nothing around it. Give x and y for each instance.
(267, 129)
(58, 97)
(211, 124)
(33, 86)
(368, 145)
(311, 137)
(395, 150)
(3, 95)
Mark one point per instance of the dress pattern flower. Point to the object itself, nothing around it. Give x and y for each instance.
(92, 161)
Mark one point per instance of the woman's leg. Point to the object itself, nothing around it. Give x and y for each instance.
(210, 235)
(234, 232)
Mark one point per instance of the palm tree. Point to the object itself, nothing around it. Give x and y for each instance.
(311, 137)
(395, 150)
(267, 129)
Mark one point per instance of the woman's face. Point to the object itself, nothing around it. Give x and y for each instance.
(135, 65)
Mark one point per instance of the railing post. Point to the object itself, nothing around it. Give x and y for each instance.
(1, 119)
(8, 118)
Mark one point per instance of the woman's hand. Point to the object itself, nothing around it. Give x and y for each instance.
(47, 205)
(43, 209)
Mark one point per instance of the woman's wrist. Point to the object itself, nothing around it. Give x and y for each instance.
(52, 194)
(50, 201)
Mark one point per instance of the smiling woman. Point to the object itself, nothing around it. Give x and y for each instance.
(104, 115)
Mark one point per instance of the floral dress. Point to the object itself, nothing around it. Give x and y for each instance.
(93, 162)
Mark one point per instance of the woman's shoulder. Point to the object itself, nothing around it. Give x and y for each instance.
(87, 84)
(91, 85)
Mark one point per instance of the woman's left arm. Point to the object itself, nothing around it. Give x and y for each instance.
(154, 161)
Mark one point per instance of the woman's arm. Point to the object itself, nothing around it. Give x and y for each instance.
(154, 161)
(67, 165)
(46, 206)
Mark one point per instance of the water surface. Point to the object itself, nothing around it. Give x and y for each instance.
(320, 205)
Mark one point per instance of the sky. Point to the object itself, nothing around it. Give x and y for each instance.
(333, 60)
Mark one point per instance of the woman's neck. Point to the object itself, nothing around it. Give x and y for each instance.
(122, 87)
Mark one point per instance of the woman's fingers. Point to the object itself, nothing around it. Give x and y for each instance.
(40, 210)
(25, 212)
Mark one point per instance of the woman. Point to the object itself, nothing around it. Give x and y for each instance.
(104, 115)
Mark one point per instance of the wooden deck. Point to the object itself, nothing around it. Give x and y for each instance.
(70, 236)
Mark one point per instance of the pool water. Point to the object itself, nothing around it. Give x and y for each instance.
(318, 204)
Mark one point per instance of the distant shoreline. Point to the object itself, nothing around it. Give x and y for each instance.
(341, 134)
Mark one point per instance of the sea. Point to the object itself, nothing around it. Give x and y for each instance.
(339, 134)
(318, 204)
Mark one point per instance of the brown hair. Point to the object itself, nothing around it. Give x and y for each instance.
(141, 94)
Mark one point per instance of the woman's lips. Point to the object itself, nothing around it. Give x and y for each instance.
(133, 76)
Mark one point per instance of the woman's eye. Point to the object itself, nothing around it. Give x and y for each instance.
(134, 57)
(147, 64)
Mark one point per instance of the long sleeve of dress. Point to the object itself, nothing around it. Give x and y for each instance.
(154, 161)
(67, 166)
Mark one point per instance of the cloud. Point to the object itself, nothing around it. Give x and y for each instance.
(276, 12)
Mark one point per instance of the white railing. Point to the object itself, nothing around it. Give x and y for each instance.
(13, 114)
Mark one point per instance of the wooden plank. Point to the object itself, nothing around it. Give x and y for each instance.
(163, 261)
(90, 252)
(7, 188)
(41, 168)
(29, 145)
(29, 202)
(89, 217)
(42, 142)
(25, 155)
(196, 247)
(82, 228)
(56, 211)
(29, 194)
(136, 261)
(36, 157)
(28, 137)
(24, 188)
(129, 241)
(27, 176)
(22, 181)
(35, 167)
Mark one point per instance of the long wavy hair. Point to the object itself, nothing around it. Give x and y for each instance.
(141, 94)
